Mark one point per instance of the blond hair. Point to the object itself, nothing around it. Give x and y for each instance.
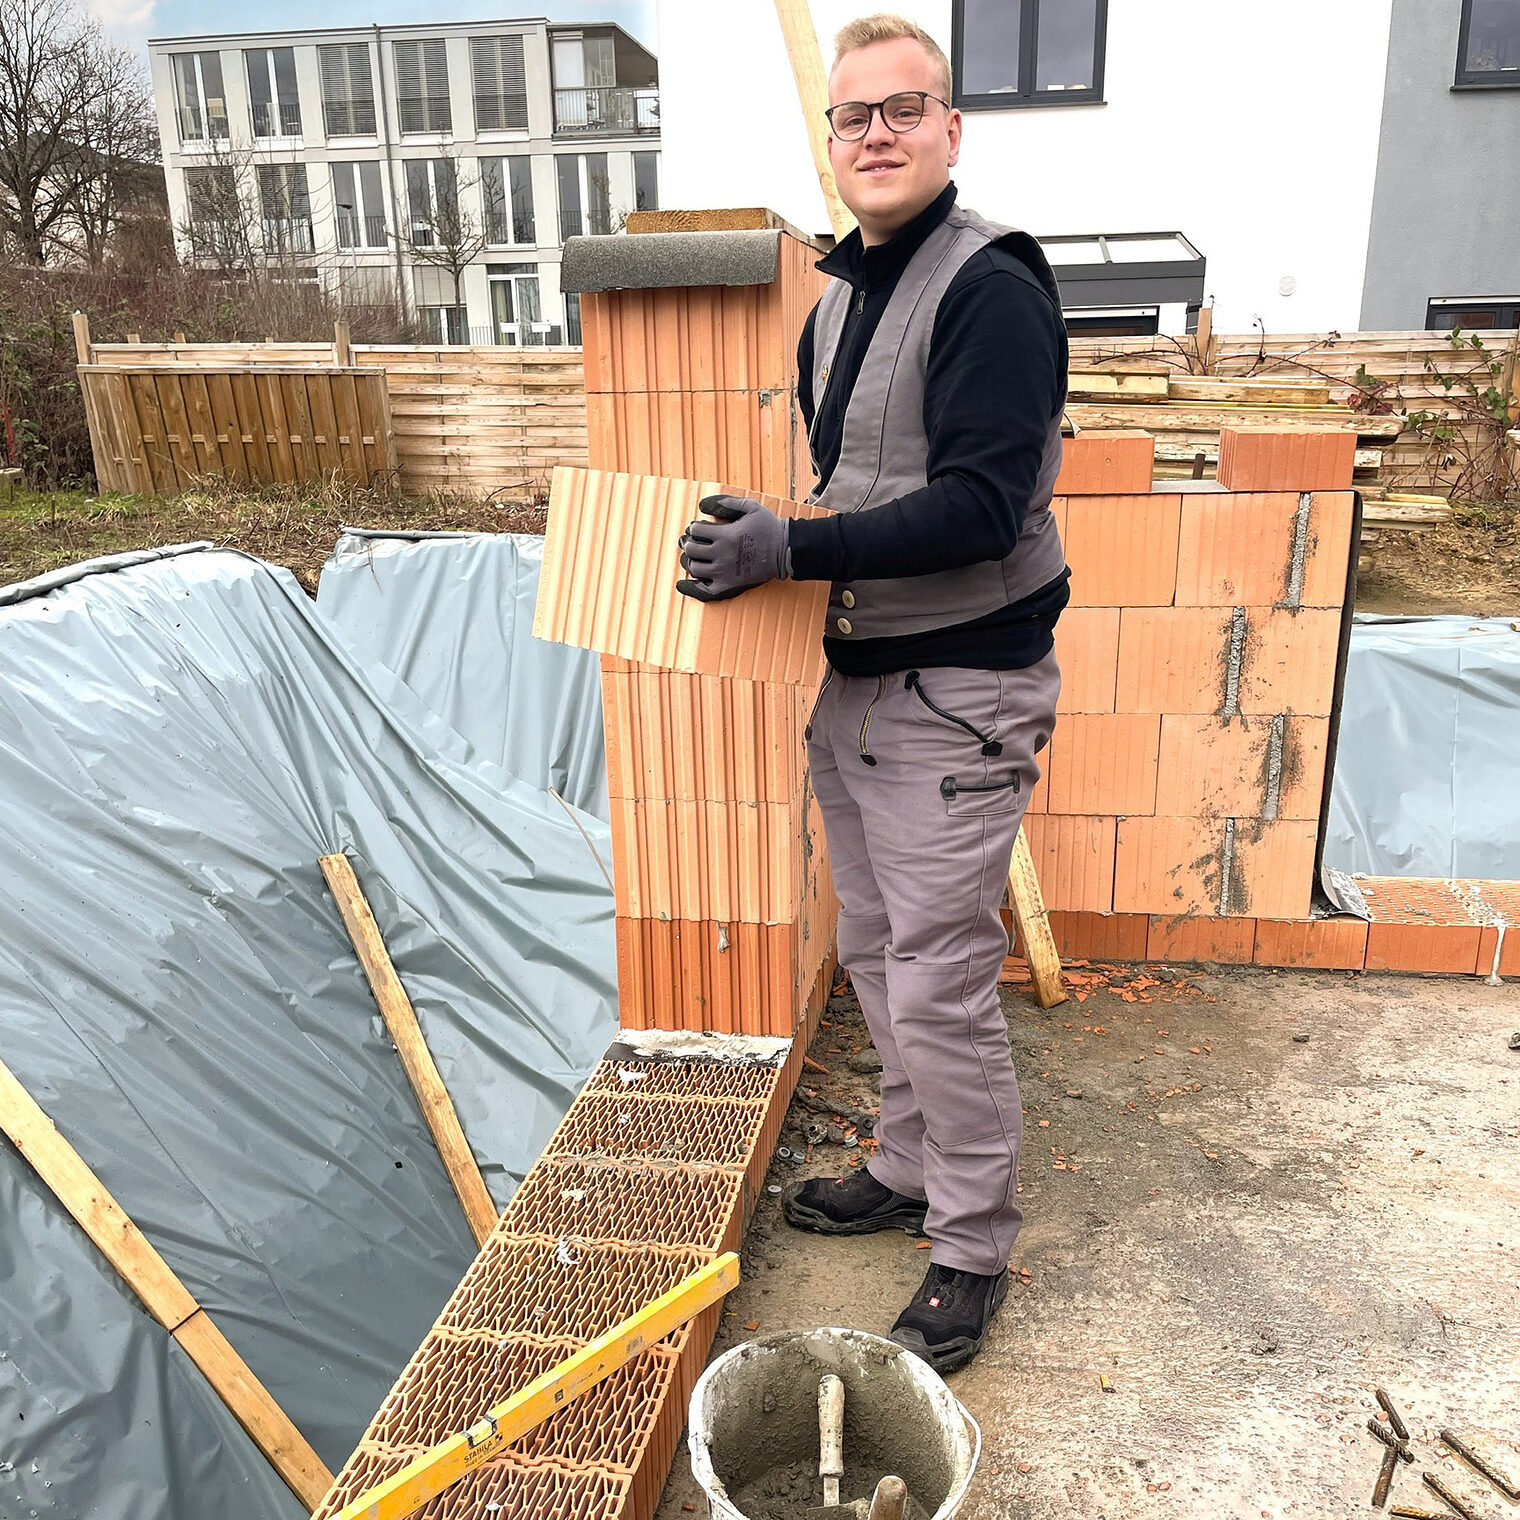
(886, 27)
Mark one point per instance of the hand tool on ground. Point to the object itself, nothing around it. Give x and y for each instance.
(441, 1466)
(830, 1437)
(1478, 1465)
(889, 1502)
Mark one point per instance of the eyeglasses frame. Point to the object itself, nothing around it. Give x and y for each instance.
(877, 108)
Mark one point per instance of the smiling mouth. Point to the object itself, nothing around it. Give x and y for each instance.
(878, 168)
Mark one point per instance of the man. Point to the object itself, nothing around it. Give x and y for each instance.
(933, 377)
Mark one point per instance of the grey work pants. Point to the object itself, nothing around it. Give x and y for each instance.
(921, 821)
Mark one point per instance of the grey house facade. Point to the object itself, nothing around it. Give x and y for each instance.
(440, 165)
(1444, 243)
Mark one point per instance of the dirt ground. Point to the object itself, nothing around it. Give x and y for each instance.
(1251, 1198)
(1471, 569)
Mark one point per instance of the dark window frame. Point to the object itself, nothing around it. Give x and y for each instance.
(1440, 311)
(1026, 97)
(1476, 79)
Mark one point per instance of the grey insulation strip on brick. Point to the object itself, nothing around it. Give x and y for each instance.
(656, 259)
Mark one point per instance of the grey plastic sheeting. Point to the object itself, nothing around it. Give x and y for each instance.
(180, 741)
(1427, 774)
(452, 615)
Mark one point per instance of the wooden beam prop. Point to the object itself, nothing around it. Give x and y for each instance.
(812, 90)
(417, 1060)
(442, 1466)
(1034, 925)
(165, 1297)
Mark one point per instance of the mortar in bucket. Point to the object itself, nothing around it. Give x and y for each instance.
(753, 1426)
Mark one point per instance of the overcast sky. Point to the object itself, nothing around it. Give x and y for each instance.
(131, 22)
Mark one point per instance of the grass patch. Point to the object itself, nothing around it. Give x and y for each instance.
(294, 526)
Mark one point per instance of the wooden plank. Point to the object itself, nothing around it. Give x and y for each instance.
(254, 1408)
(324, 421)
(165, 1297)
(83, 353)
(171, 402)
(223, 402)
(406, 1033)
(282, 456)
(250, 416)
(350, 441)
(1034, 925)
(440, 1467)
(203, 429)
(801, 40)
(154, 430)
(298, 420)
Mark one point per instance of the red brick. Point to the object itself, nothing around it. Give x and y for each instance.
(1424, 947)
(1175, 866)
(1100, 936)
(1286, 459)
(1229, 941)
(1104, 763)
(1235, 550)
(1330, 944)
(1509, 959)
(1327, 556)
(1087, 650)
(1123, 549)
(1173, 659)
(1074, 861)
(1099, 463)
(1289, 661)
(1220, 767)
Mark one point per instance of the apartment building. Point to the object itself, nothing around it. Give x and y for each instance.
(443, 165)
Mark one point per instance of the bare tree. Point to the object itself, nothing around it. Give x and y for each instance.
(441, 231)
(73, 113)
(118, 148)
(221, 224)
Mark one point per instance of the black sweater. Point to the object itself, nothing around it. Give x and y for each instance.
(996, 377)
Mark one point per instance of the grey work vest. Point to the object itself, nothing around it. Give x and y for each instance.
(884, 452)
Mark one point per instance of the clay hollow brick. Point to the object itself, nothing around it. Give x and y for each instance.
(1214, 867)
(1420, 925)
(1225, 941)
(1074, 860)
(1243, 767)
(635, 1202)
(1286, 459)
(1103, 763)
(1329, 944)
(722, 1131)
(686, 1078)
(1122, 550)
(1110, 462)
(1100, 936)
(1087, 650)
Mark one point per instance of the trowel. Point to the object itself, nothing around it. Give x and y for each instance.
(889, 1502)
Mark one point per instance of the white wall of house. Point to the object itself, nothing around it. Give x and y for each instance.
(1251, 129)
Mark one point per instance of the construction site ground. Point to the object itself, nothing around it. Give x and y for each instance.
(1251, 1198)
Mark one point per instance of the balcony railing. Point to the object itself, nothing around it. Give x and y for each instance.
(196, 125)
(276, 118)
(360, 231)
(288, 234)
(607, 111)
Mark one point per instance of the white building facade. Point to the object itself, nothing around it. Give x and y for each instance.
(442, 165)
(1105, 127)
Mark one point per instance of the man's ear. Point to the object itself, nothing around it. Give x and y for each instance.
(953, 132)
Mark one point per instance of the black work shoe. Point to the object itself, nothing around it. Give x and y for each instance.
(855, 1204)
(947, 1320)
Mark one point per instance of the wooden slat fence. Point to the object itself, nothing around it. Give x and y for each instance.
(477, 420)
(157, 428)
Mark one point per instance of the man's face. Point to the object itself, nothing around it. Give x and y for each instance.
(886, 178)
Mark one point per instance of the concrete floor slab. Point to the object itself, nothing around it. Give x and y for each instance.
(1245, 1232)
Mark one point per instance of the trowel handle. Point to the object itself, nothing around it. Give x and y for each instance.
(890, 1501)
(830, 1427)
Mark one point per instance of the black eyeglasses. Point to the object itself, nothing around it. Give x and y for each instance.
(850, 120)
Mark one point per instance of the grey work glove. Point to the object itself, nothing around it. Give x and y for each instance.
(746, 546)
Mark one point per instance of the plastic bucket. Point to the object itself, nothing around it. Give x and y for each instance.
(754, 1420)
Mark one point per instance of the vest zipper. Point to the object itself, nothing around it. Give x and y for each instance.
(990, 746)
(865, 723)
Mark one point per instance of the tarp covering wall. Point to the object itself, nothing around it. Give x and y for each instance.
(1427, 771)
(180, 740)
(452, 615)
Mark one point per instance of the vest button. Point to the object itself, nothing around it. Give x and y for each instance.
(848, 598)
(844, 625)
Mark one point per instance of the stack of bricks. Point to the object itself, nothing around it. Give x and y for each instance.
(650, 1175)
(1184, 785)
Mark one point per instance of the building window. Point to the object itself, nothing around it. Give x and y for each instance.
(432, 194)
(507, 191)
(1478, 312)
(1488, 43)
(200, 108)
(585, 202)
(646, 182)
(272, 100)
(218, 220)
(348, 91)
(422, 86)
(359, 205)
(1028, 52)
(501, 88)
(573, 318)
(516, 315)
(285, 206)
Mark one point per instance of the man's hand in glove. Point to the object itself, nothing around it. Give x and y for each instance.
(746, 546)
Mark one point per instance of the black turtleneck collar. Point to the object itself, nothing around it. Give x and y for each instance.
(851, 260)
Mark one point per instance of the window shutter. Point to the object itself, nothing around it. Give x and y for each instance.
(436, 85)
(500, 84)
(348, 97)
(409, 86)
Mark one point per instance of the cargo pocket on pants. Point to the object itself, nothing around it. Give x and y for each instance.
(981, 799)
